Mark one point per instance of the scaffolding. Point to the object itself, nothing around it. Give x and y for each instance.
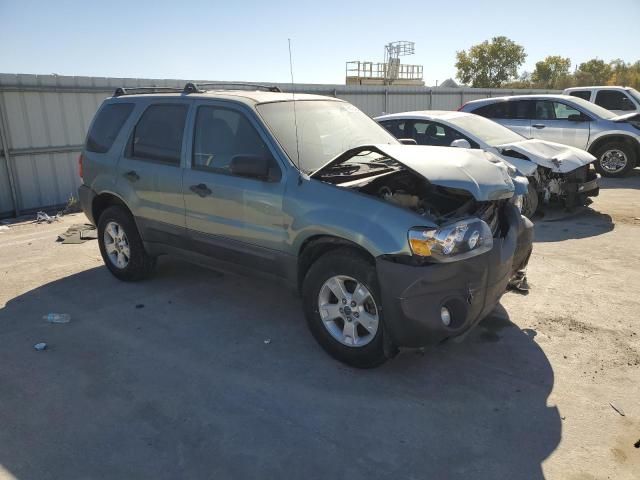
(388, 73)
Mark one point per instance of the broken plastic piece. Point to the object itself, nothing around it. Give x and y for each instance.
(40, 346)
(57, 318)
(44, 217)
(267, 341)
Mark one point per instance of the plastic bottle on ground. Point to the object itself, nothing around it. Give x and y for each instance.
(57, 318)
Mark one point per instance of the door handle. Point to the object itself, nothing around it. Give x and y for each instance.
(201, 190)
(132, 176)
(538, 125)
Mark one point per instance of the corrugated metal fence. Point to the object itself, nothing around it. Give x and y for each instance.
(44, 118)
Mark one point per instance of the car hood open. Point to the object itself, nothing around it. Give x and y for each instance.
(559, 158)
(459, 168)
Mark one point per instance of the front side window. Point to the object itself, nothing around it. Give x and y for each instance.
(613, 100)
(563, 111)
(222, 134)
(432, 133)
(158, 134)
(107, 125)
(584, 94)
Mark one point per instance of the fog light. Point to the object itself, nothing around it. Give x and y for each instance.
(445, 316)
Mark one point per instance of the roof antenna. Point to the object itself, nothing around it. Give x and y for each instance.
(295, 117)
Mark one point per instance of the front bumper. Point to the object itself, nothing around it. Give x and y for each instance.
(581, 185)
(412, 296)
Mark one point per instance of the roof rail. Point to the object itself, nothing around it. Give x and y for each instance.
(192, 87)
(135, 90)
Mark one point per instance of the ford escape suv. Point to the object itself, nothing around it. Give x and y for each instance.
(389, 245)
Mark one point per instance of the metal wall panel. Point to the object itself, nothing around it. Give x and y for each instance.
(45, 118)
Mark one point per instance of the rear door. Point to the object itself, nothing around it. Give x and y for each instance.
(233, 218)
(513, 114)
(557, 121)
(150, 170)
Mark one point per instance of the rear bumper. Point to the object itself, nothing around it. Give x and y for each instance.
(412, 296)
(86, 196)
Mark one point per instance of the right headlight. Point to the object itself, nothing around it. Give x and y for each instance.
(452, 242)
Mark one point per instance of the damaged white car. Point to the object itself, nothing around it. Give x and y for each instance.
(554, 171)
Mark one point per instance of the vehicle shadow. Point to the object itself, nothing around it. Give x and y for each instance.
(632, 180)
(557, 224)
(200, 374)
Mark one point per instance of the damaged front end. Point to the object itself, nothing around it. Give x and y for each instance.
(563, 173)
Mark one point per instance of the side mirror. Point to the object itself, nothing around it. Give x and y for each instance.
(252, 166)
(407, 141)
(576, 117)
(461, 143)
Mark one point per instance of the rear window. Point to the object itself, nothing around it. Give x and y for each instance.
(584, 94)
(107, 125)
(158, 134)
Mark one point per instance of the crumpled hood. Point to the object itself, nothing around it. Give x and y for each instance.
(460, 168)
(559, 158)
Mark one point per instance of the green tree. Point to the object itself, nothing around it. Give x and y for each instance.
(593, 72)
(490, 64)
(552, 72)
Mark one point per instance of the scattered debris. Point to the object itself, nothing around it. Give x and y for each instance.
(267, 341)
(617, 408)
(637, 444)
(518, 283)
(57, 318)
(140, 305)
(44, 217)
(40, 346)
(78, 233)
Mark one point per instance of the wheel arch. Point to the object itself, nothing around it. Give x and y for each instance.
(317, 245)
(105, 200)
(603, 140)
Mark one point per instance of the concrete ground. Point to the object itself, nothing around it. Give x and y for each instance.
(173, 377)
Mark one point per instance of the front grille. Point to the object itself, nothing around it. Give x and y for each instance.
(490, 213)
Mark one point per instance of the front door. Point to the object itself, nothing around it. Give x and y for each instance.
(556, 121)
(238, 219)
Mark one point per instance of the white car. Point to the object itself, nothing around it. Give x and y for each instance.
(620, 100)
(554, 171)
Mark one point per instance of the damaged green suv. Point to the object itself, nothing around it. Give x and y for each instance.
(389, 245)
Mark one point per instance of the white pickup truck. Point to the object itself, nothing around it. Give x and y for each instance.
(620, 100)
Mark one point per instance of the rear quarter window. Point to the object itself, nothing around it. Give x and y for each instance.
(107, 125)
(493, 110)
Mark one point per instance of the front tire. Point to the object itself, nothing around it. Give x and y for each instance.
(342, 304)
(530, 201)
(121, 246)
(615, 159)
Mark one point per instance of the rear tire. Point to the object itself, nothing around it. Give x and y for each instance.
(358, 277)
(615, 159)
(121, 246)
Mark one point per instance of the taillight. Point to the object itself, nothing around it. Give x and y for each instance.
(80, 170)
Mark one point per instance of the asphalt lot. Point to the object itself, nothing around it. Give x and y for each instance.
(186, 386)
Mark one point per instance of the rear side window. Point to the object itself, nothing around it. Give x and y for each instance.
(158, 134)
(613, 100)
(584, 94)
(107, 125)
(494, 110)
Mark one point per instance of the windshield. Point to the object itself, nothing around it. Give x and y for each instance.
(488, 131)
(634, 93)
(593, 108)
(326, 128)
